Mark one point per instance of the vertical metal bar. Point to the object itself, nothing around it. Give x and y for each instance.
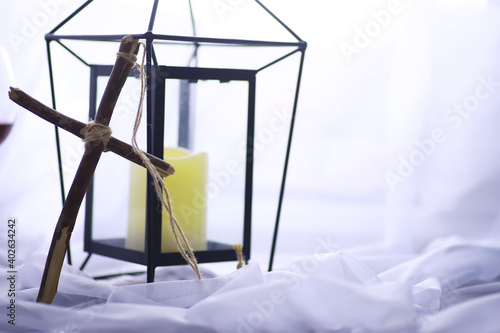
(93, 92)
(89, 203)
(151, 239)
(158, 145)
(58, 140)
(287, 157)
(247, 227)
(58, 145)
(184, 137)
(155, 60)
(150, 273)
(185, 105)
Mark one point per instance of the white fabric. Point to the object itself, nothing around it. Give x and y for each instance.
(453, 287)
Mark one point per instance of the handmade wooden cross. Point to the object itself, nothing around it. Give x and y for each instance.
(97, 136)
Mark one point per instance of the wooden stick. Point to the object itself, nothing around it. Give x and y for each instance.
(66, 222)
(75, 127)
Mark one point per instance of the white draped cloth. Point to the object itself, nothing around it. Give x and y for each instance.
(453, 286)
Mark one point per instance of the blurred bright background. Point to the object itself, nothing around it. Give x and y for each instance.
(380, 154)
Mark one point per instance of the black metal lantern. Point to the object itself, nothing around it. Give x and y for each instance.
(173, 91)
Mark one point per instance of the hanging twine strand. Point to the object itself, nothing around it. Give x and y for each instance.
(161, 190)
(238, 248)
(96, 134)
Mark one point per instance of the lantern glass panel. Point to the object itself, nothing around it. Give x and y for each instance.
(111, 183)
(219, 128)
(216, 126)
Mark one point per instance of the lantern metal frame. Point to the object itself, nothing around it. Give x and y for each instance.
(152, 256)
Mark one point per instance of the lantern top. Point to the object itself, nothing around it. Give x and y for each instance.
(220, 33)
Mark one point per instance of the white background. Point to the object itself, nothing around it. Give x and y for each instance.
(359, 115)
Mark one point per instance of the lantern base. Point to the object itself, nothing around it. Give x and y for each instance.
(115, 248)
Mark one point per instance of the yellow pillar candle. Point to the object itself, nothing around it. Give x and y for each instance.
(187, 190)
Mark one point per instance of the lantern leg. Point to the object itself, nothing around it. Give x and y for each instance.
(85, 262)
(68, 255)
(151, 273)
(287, 158)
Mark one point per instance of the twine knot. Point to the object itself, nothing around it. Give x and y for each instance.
(130, 57)
(95, 134)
